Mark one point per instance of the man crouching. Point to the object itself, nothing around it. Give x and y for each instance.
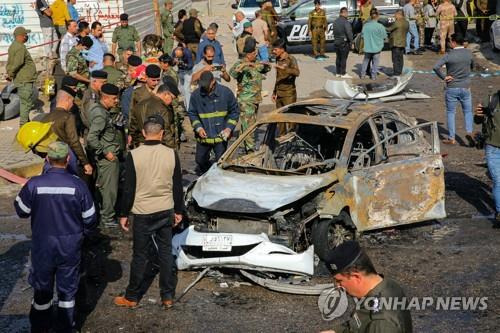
(153, 194)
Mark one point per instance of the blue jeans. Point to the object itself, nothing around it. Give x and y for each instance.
(412, 32)
(373, 58)
(493, 160)
(452, 97)
(263, 53)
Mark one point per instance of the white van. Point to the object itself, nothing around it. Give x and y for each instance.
(249, 7)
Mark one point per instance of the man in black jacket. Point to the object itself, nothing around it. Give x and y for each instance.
(153, 194)
(342, 34)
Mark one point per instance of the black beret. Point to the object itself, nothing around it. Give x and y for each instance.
(343, 256)
(165, 58)
(205, 79)
(69, 81)
(155, 119)
(69, 90)
(250, 45)
(86, 41)
(99, 74)
(134, 60)
(110, 89)
(170, 85)
(123, 17)
(153, 71)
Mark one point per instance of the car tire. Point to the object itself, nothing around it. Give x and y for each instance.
(329, 233)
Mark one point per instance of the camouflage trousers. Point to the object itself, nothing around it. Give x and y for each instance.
(179, 114)
(446, 29)
(248, 117)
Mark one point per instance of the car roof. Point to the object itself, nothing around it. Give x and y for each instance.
(325, 112)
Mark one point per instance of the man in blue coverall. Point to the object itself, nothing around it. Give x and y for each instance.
(62, 212)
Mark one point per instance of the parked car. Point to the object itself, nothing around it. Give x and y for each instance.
(293, 28)
(249, 7)
(323, 170)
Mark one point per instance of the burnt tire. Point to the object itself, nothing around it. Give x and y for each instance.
(329, 233)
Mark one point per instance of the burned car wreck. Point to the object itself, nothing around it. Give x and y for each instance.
(323, 170)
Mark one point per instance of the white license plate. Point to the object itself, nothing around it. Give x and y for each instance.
(217, 243)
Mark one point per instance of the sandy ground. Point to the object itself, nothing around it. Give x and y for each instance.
(453, 257)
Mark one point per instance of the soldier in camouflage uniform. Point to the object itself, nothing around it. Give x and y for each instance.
(167, 25)
(317, 25)
(167, 70)
(104, 142)
(249, 75)
(122, 65)
(420, 19)
(76, 65)
(269, 15)
(115, 76)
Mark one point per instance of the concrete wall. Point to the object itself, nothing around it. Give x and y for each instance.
(15, 13)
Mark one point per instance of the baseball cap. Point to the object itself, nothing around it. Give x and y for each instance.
(21, 31)
(57, 150)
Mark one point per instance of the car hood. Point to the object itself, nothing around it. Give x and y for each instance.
(230, 191)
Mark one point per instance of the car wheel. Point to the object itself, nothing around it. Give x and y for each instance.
(329, 233)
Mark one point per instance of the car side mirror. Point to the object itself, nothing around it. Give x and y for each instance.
(234, 6)
(293, 17)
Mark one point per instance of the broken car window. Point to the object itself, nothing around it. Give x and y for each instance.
(291, 148)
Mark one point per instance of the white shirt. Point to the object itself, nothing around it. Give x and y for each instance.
(67, 43)
(238, 28)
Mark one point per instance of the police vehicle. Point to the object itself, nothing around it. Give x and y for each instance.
(292, 26)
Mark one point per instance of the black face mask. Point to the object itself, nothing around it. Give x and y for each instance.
(25, 38)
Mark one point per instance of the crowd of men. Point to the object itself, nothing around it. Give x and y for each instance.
(117, 127)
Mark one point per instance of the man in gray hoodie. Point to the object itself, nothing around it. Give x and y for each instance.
(459, 63)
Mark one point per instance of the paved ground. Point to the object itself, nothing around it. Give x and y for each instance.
(455, 257)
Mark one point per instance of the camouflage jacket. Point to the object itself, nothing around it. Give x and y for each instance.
(249, 76)
(116, 76)
(76, 64)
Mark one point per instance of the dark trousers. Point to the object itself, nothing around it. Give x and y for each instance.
(41, 278)
(461, 27)
(152, 230)
(428, 32)
(203, 154)
(397, 60)
(342, 52)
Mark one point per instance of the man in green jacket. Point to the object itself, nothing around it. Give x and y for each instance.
(397, 41)
(22, 71)
(125, 36)
(104, 141)
(167, 25)
(354, 272)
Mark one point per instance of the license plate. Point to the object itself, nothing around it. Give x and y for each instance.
(217, 243)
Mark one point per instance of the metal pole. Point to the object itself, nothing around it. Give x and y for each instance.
(209, 4)
(156, 10)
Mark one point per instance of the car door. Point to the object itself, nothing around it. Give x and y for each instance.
(400, 179)
(296, 31)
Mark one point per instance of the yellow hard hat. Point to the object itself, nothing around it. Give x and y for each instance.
(36, 135)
